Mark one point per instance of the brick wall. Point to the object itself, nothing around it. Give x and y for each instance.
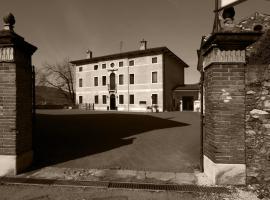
(15, 107)
(7, 109)
(258, 123)
(225, 113)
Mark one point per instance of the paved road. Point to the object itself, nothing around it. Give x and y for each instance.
(112, 140)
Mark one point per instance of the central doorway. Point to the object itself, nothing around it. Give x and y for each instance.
(188, 103)
(112, 102)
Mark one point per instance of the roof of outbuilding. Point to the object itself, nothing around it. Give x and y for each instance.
(129, 54)
(195, 86)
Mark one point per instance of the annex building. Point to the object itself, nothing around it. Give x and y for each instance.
(138, 80)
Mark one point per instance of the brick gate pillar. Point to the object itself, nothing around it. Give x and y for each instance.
(224, 58)
(15, 100)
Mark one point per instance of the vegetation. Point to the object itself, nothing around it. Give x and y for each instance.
(59, 76)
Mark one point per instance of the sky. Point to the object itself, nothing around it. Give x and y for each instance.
(67, 28)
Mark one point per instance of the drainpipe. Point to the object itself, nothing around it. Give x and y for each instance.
(128, 87)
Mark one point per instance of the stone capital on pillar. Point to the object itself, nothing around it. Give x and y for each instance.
(227, 47)
(16, 100)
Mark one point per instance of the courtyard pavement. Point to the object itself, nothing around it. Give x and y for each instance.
(162, 142)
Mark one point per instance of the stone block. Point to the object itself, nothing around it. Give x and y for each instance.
(225, 174)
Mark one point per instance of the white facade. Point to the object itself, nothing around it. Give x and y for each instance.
(142, 89)
(141, 80)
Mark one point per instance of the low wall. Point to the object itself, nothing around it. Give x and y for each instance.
(258, 123)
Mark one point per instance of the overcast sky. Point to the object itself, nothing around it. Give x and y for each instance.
(67, 28)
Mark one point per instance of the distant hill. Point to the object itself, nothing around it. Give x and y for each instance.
(49, 96)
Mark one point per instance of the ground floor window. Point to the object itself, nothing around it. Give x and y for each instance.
(154, 99)
(121, 99)
(80, 99)
(96, 99)
(104, 99)
(131, 99)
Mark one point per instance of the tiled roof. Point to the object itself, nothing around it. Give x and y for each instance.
(130, 54)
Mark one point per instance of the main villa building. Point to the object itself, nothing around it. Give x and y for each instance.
(138, 80)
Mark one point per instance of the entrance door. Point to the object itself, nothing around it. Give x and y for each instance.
(188, 103)
(112, 102)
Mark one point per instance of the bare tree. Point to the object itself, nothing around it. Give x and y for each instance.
(60, 76)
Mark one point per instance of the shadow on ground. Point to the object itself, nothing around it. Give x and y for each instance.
(60, 138)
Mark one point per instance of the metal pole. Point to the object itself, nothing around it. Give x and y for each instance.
(216, 21)
(128, 87)
(202, 121)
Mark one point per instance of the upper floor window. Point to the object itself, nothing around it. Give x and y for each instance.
(104, 99)
(103, 80)
(131, 79)
(95, 81)
(80, 82)
(80, 69)
(112, 64)
(154, 77)
(95, 67)
(121, 79)
(121, 99)
(103, 66)
(131, 99)
(131, 63)
(121, 64)
(154, 60)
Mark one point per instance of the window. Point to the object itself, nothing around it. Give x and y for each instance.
(121, 79)
(154, 60)
(96, 81)
(95, 67)
(103, 66)
(131, 79)
(96, 99)
(142, 102)
(80, 69)
(112, 64)
(121, 64)
(80, 99)
(104, 99)
(131, 99)
(154, 99)
(80, 82)
(131, 63)
(154, 77)
(103, 80)
(121, 99)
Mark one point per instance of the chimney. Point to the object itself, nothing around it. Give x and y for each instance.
(143, 45)
(89, 54)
